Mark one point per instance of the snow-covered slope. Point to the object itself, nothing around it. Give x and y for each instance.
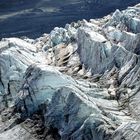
(80, 82)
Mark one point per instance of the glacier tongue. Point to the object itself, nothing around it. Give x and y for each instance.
(81, 82)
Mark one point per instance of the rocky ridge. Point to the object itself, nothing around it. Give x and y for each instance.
(80, 82)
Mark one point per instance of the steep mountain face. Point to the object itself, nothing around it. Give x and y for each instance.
(32, 18)
(81, 82)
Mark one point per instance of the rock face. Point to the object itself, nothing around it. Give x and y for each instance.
(82, 79)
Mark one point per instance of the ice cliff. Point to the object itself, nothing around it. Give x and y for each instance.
(81, 82)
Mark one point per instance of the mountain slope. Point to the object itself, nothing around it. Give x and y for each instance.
(80, 82)
(35, 17)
